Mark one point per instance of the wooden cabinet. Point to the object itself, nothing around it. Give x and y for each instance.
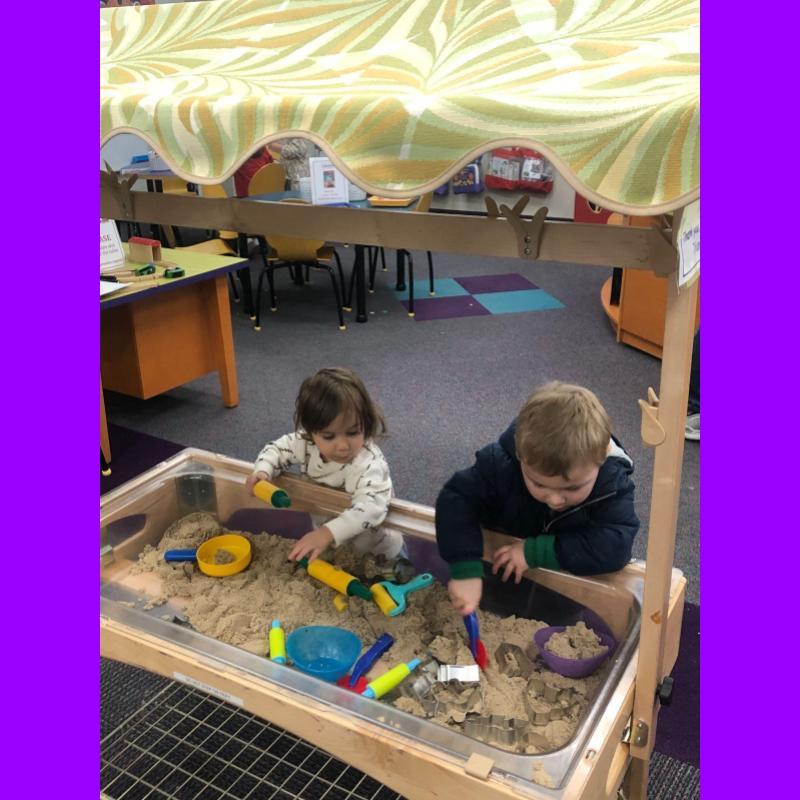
(639, 312)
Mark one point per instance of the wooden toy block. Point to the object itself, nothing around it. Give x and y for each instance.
(144, 250)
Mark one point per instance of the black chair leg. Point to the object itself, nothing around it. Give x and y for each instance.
(410, 259)
(233, 288)
(273, 303)
(350, 289)
(257, 299)
(342, 326)
(383, 260)
(373, 266)
(341, 272)
(432, 290)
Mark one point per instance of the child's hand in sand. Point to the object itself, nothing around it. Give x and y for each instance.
(465, 594)
(510, 558)
(312, 544)
(253, 479)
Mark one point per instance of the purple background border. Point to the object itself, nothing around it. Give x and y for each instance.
(51, 346)
(748, 472)
(746, 318)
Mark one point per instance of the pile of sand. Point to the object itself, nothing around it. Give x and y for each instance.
(577, 641)
(239, 609)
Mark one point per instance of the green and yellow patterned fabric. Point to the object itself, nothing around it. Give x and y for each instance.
(401, 93)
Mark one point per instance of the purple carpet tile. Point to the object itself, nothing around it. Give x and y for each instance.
(430, 308)
(507, 282)
(132, 453)
(678, 730)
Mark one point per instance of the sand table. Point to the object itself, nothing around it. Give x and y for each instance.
(518, 705)
(576, 641)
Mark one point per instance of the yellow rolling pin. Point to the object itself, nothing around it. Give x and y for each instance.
(386, 682)
(272, 494)
(277, 643)
(343, 582)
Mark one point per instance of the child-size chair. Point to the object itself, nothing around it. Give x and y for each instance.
(288, 251)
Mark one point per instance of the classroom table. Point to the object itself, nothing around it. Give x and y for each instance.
(157, 336)
(154, 177)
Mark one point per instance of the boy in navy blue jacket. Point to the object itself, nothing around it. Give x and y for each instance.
(556, 479)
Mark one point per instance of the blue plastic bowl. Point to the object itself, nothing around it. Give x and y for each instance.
(323, 651)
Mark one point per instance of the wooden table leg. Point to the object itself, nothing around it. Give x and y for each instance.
(105, 447)
(221, 333)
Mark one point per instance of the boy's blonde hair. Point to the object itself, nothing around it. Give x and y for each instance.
(562, 426)
(333, 391)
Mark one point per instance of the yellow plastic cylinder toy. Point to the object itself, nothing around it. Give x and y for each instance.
(277, 643)
(343, 582)
(272, 494)
(386, 682)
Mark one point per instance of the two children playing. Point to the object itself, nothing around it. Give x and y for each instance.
(556, 479)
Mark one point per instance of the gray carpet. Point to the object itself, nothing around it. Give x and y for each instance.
(447, 387)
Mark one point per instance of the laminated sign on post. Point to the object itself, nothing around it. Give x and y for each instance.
(689, 244)
(111, 255)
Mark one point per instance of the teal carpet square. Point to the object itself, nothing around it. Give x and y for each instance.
(445, 287)
(514, 302)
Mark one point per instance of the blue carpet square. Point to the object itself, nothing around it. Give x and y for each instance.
(514, 302)
(445, 287)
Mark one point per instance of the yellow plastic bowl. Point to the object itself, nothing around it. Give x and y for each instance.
(234, 544)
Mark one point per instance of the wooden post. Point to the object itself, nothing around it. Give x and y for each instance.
(678, 340)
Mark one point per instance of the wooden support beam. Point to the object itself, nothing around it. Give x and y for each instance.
(572, 242)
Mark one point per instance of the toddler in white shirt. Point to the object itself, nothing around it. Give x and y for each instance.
(336, 424)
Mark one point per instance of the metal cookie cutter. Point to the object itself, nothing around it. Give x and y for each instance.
(496, 729)
(455, 672)
(512, 661)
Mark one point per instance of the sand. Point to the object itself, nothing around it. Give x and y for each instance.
(517, 691)
(576, 641)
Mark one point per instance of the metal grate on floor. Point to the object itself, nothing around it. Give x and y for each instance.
(187, 745)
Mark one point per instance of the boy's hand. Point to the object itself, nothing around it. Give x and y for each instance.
(312, 544)
(253, 479)
(512, 558)
(465, 594)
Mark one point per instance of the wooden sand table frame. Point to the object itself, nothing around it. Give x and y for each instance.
(394, 159)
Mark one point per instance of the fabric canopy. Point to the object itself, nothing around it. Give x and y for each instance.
(402, 93)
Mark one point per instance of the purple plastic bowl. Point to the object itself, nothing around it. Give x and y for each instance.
(571, 667)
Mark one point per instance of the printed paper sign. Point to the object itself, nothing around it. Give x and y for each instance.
(111, 255)
(689, 244)
(328, 185)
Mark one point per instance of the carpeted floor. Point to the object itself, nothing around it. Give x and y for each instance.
(160, 740)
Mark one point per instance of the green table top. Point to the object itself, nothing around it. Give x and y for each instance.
(198, 267)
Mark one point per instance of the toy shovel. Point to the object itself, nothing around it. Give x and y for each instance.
(356, 681)
(475, 644)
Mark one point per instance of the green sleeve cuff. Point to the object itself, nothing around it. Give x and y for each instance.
(462, 570)
(540, 551)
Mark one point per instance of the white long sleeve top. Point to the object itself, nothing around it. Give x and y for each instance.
(366, 478)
